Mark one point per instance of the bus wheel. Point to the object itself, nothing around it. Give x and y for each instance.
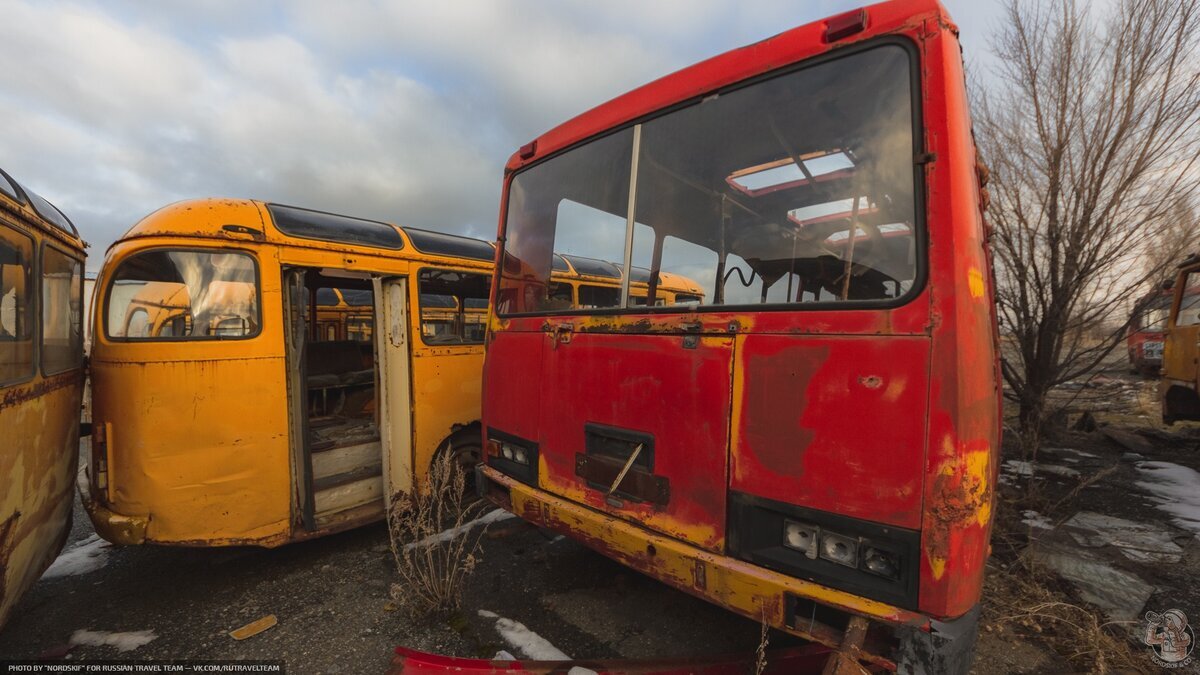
(465, 453)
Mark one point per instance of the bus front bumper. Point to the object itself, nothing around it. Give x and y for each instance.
(111, 526)
(752, 591)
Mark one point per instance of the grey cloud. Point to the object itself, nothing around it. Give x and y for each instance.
(397, 110)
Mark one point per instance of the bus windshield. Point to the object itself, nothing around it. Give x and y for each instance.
(796, 189)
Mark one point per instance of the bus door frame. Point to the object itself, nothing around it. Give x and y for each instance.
(295, 344)
(392, 358)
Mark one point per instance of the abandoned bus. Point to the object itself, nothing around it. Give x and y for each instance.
(813, 442)
(41, 384)
(263, 373)
(1180, 386)
(1144, 336)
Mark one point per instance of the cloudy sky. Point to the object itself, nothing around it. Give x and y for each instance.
(399, 110)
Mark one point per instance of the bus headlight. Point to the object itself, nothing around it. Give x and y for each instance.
(513, 456)
(801, 537)
(881, 562)
(839, 549)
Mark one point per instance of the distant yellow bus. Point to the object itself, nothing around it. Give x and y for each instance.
(41, 384)
(263, 374)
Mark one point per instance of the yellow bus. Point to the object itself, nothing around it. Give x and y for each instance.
(41, 384)
(242, 391)
(263, 373)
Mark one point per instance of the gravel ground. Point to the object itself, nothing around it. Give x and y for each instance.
(334, 616)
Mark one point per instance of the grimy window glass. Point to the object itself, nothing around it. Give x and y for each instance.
(16, 305)
(574, 203)
(1189, 307)
(183, 295)
(453, 306)
(62, 312)
(797, 189)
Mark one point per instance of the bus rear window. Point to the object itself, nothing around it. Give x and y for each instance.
(183, 295)
(795, 190)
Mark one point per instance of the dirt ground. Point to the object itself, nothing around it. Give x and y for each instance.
(330, 596)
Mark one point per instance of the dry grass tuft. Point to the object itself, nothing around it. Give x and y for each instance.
(1024, 600)
(760, 654)
(433, 568)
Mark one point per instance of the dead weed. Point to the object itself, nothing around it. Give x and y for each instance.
(434, 553)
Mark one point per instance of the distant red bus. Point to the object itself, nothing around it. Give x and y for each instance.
(813, 443)
(1146, 332)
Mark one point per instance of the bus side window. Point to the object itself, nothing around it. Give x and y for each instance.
(453, 306)
(1189, 308)
(16, 334)
(62, 312)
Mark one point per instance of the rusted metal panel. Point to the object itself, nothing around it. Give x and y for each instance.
(833, 423)
(510, 374)
(38, 463)
(644, 384)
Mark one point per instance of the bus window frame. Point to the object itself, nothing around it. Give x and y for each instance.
(41, 329)
(920, 158)
(116, 266)
(19, 195)
(34, 306)
(491, 279)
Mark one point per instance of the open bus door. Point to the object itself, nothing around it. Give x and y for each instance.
(395, 405)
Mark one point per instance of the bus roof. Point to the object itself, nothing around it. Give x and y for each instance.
(37, 209)
(239, 219)
(723, 70)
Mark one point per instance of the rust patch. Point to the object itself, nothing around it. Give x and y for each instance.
(18, 395)
(871, 381)
(776, 394)
(962, 499)
(6, 546)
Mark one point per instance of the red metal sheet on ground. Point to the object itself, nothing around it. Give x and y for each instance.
(791, 661)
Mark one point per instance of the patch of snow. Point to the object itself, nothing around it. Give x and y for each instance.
(85, 556)
(1035, 519)
(124, 642)
(1174, 489)
(1120, 594)
(580, 670)
(1020, 468)
(529, 643)
(1073, 451)
(503, 656)
(494, 516)
(1140, 542)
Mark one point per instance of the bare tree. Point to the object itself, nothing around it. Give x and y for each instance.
(1179, 236)
(1091, 127)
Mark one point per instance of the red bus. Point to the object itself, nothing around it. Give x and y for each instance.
(814, 442)
(1146, 332)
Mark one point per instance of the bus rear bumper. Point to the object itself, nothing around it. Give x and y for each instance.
(111, 526)
(757, 593)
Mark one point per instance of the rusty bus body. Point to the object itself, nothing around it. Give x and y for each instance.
(41, 384)
(1180, 385)
(263, 374)
(815, 444)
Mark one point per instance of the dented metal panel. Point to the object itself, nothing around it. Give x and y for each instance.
(834, 423)
(645, 384)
